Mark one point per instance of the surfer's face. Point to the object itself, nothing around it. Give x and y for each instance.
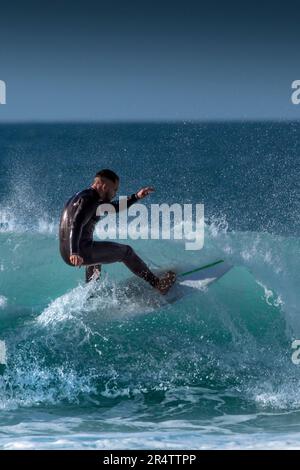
(109, 189)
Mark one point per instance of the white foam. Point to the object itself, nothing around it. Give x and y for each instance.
(46, 226)
(3, 301)
(270, 297)
(2, 352)
(178, 439)
(8, 222)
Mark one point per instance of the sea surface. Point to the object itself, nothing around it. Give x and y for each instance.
(93, 366)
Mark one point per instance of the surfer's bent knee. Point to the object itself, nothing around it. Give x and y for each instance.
(128, 252)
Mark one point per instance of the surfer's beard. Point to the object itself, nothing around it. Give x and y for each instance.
(106, 197)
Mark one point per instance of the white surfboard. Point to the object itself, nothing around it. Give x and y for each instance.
(187, 283)
(190, 281)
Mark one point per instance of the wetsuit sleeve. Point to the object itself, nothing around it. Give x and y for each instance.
(130, 200)
(82, 215)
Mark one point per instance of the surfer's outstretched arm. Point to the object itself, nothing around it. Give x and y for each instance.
(134, 197)
(130, 200)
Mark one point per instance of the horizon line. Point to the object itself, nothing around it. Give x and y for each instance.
(150, 121)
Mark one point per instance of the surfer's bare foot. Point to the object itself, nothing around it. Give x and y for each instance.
(166, 282)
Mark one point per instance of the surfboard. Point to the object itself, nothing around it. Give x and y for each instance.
(195, 279)
(189, 281)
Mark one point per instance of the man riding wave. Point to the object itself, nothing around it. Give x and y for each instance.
(77, 225)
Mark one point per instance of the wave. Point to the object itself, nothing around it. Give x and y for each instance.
(99, 342)
(10, 223)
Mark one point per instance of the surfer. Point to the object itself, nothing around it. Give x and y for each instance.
(77, 225)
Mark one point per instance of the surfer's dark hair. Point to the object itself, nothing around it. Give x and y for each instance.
(109, 174)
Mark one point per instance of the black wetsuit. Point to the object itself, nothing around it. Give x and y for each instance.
(76, 229)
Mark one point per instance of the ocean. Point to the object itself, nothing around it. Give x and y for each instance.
(111, 371)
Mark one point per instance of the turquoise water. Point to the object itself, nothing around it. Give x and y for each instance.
(116, 371)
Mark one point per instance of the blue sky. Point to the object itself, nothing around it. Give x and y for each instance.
(148, 60)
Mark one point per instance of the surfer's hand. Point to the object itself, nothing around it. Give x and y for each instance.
(76, 260)
(144, 192)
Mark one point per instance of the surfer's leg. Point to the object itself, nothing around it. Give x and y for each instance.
(138, 267)
(92, 272)
(112, 252)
